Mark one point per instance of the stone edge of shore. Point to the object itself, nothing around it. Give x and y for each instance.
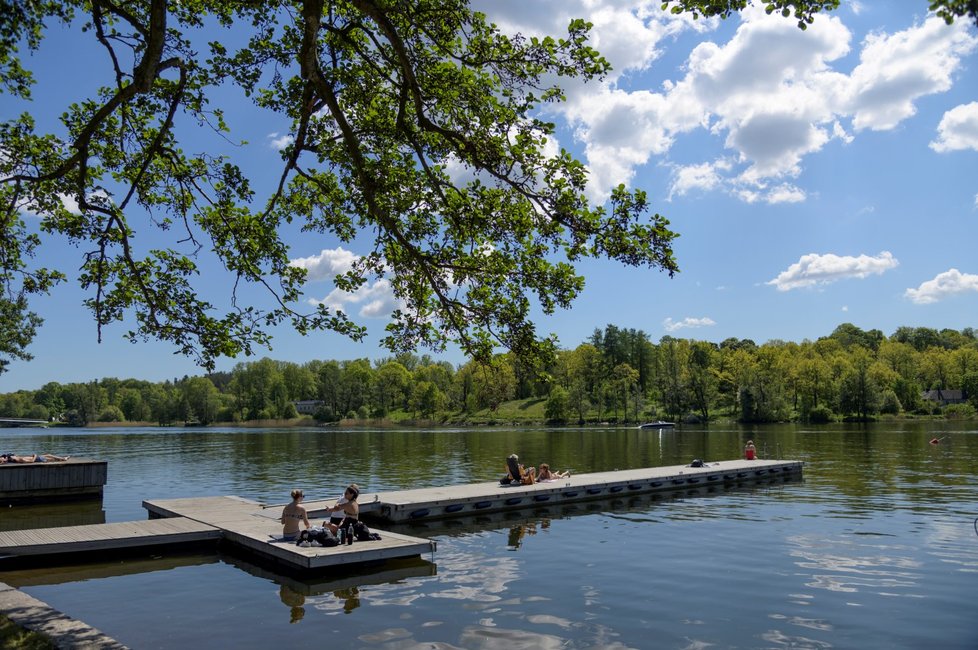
(63, 631)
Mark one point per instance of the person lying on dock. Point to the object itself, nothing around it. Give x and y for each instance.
(348, 508)
(33, 458)
(292, 514)
(518, 473)
(544, 473)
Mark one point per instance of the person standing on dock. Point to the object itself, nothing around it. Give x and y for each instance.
(292, 514)
(750, 451)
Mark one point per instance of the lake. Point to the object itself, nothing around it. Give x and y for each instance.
(875, 547)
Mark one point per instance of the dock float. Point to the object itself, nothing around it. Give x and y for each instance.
(74, 478)
(479, 498)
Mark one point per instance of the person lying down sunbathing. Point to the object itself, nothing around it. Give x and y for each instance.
(33, 458)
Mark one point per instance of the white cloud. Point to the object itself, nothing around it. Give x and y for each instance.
(774, 93)
(327, 265)
(942, 286)
(280, 142)
(958, 129)
(897, 69)
(671, 326)
(70, 203)
(704, 176)
(376, 300)
(814, 269)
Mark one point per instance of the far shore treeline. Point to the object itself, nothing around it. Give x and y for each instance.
(617, 375)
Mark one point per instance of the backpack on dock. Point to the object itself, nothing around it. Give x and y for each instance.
(321, 536)
(362, 533)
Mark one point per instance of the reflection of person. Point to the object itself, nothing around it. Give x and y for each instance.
(750, 451)
(294, 601)
(292, 514)
(350, 597)
(545, 474)
(347, 508)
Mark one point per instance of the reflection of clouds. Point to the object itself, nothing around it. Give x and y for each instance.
(777, 637)
(491, 638)
(952, 543)
(475, 578)
(383, 636)
(811, 623)
(853, 566)
(545, 619)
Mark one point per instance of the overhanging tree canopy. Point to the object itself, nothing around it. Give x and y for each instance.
(385, 99)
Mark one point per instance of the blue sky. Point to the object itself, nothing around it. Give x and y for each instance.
(815, 177)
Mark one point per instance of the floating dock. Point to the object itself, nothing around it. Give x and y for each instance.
(255, 528)
(75, 478)
(462, 500)
(248, 525)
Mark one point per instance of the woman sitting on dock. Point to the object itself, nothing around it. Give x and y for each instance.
(518, 473)
(348, 507)
(544, 474)
(292, 514)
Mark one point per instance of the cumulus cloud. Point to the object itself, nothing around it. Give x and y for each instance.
(897, 69)
(375, 300)
(945, 284)
(958, 129)
(813, 269)
(771, 94)
(327, 265)
(671, 326)
(372, 300)
(280, 142)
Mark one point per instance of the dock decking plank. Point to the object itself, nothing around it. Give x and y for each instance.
(97, 537)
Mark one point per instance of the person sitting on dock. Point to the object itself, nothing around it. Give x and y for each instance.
(518, 473)
(545, 474)
(292, 514)
(750, 451)
(348, 507)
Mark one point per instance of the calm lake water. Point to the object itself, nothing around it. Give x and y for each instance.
(876, 547)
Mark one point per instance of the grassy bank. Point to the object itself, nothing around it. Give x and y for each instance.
(14, 637)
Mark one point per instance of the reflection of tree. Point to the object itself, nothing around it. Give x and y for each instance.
(294, 601)
(350, 597)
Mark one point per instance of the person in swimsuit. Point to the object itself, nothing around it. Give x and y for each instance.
(545, 474)
(750, 451)
(292, 514)
(347, 508)
(33, 458)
